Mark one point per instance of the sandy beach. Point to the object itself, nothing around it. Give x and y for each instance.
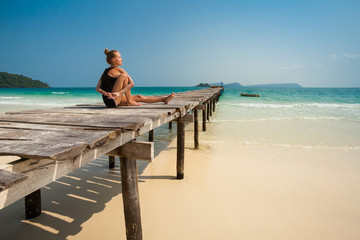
(230, 191)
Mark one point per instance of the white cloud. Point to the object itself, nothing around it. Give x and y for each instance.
(292, 67)
(345, 55)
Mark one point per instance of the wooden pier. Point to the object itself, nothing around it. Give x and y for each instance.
(54, 142)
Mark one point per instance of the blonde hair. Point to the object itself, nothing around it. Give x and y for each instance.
(110, 55)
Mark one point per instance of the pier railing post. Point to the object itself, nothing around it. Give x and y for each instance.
(196, 129)
(130, 192)
(180, 150)
(33, 204)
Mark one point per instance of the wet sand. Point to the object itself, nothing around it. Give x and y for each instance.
(230, 191)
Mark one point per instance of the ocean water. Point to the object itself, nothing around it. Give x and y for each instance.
(308, 118)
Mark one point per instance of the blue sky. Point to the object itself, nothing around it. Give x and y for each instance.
(182, 43)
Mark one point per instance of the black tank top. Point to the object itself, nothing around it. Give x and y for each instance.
(107, 82)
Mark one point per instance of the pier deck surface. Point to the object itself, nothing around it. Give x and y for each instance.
(54, 142)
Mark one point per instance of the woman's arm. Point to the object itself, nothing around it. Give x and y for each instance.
(99, 90)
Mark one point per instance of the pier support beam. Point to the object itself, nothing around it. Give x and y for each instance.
(135, 150)
(170, 125)
(181, 143)
(208, 111)
(131, 201)
(211, 106)
(196, 129)
(111, 162)
(204, 114)
(214, 102)
(33, 204)
(180, 150)
(196, 124)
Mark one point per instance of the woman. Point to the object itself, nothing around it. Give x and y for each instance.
(115, 85)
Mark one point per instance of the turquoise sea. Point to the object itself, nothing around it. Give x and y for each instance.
(314, 118)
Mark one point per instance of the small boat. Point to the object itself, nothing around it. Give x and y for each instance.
(249, 95)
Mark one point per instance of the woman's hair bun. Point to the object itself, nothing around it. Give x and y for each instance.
(106, 51)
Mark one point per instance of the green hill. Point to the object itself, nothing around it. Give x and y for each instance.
(8, 80)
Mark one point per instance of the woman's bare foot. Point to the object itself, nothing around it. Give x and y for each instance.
(168, 98)
(133, 103)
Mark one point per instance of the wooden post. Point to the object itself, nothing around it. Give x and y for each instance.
(170, 125)
(111, 162)
(211, 106)
(208, 111)
(196, 129)
(180, 150)
(214, 103)
(33, 204)
(130, 192)
(204, 119)
(151, 135)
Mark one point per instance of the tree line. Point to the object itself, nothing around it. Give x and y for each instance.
(9, 80)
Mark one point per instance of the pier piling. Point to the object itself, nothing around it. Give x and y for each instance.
(196, 129)
(130, 192)
(180, 150)
(33, 204)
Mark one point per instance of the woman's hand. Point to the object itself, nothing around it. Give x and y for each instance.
(107, 94)
(116, 94)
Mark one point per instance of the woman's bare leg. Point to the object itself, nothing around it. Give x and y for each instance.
(152, 99)
(119, 85)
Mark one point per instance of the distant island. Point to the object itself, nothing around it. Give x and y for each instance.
(203, 85)
(238, 85)
(9, 80)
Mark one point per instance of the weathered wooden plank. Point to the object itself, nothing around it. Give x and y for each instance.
(9, 179)
(98, 111)
(57, 145)
(125, 122)
(48, 127)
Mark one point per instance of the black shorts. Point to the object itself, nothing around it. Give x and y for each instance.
(110, 103)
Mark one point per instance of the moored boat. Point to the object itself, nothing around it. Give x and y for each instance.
(249, 95)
